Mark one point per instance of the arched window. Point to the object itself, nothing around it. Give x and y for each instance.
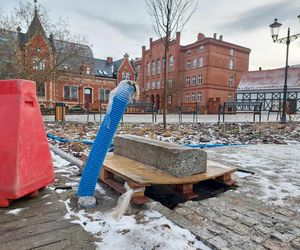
(148, 69)
(158, 66)
(153, 68)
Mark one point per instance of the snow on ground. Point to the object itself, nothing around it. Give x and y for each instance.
(144, 230)
(277, 169)
(16, 211)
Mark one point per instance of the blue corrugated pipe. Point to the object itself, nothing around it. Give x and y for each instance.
(68, 140)
(117, 106)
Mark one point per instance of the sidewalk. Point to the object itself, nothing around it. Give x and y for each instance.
(241, 118)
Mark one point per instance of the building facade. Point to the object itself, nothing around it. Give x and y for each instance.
(206, 72)
(64, 71)
(267, 86)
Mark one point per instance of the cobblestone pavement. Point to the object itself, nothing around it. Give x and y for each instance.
(256, 215)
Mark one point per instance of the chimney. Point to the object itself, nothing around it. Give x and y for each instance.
(259, 68)
(215, 35)
(221, 38)
(200, 37)
(109, 60)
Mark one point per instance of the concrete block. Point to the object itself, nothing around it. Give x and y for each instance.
(174, 159)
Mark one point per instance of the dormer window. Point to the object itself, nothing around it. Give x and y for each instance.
(38, 49)
(88, 70)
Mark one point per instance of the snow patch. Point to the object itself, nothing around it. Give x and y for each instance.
(16, 211)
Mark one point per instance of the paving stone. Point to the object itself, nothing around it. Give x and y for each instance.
(218, 242)
(274, 244)
(232, 225)
(296, 243)
(285, 237)
(285, 212)
(203, 233)
(183, 211)
(195, 218)
(172, 158)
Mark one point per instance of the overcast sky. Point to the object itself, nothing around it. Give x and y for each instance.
(115, 27)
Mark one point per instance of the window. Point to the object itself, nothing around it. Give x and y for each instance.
(171, 63)
(169, 99)
(201, 48)
(170, 83)
(199, 97)
(193, 96)
(34, 64)
(41, 89)
(148, 86)
(102, 94)
(125, 76)
(38, 64)
(230, 97)
(231, 63)
(188, 80)
(188, 65)
(153, 85)
(148, 69)
(195, 63)
(153, 68)
(187, 97)
(70, 92)
(88, 70)
(201, 61)
(158, 66)
(189, 52)
(42, 65)
(194, 80)
(107, 92)
(232, 52)
(158, 84)
(200, 79)
(231, 81)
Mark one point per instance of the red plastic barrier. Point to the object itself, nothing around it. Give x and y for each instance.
(25, 160)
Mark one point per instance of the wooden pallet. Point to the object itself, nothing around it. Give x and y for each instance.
(139, 176)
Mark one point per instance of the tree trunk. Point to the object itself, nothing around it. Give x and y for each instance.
(165, 98)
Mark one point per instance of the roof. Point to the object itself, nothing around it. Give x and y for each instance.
(270, 79)
(102, 68)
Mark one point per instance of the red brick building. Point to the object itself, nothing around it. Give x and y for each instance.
(79, 78)
(206, 72)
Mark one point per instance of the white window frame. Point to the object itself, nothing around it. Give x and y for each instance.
(199, 96)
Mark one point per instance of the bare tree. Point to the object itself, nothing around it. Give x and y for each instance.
(168, 17)
(60, 52)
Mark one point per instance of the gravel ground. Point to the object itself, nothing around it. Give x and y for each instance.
(187, 133)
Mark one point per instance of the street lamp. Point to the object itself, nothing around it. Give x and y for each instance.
(275, 27)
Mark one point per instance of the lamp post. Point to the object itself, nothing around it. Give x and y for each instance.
(275, 27)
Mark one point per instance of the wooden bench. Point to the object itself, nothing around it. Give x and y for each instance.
(140, 176)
